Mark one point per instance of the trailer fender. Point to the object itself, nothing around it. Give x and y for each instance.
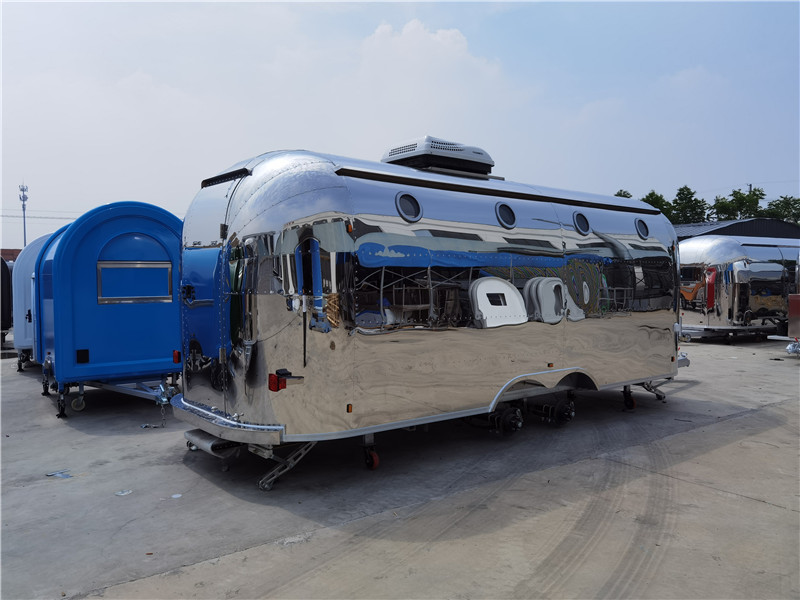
(531, 385)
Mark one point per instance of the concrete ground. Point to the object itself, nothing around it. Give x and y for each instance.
(698, 497)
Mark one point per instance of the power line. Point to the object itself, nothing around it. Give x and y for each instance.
(739, 186)
(38, 218)
(60, 212)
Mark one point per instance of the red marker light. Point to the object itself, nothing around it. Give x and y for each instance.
(276, 383)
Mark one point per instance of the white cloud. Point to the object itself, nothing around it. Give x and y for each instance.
(418, 81)
(691, 82)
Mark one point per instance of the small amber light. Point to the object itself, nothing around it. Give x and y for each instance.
(550, 365)
(349, 228)
(349, 408)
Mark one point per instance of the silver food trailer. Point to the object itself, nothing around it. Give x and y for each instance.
(737, 284)
(325, 297)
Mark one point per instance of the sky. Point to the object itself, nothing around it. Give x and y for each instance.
(104, 102)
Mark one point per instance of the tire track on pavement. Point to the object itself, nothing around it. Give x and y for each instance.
(426, 526)
(570, 551)
(656, 525)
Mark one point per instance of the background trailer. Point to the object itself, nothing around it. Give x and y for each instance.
(107, 302)
(738, 284)
(6, 310)
(24, 311)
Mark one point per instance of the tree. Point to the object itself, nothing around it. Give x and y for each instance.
(748, 204)
(658, 201)
(786, 208)
(686, 208)
(623, 194)
(740, 205)
(723, 209)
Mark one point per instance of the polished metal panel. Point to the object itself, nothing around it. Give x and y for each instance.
(362, 320)
(736, 280)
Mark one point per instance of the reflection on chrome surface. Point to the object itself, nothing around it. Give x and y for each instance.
(320, 299)
(738, 281)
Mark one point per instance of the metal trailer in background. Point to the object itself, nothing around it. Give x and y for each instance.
(6, 299)
(24, 310)
(794, 316)
(106, 295)
(327, 297)
(737, 285)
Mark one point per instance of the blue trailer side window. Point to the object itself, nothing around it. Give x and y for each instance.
(133, 281)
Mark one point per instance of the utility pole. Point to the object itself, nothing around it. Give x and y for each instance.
(23, 197)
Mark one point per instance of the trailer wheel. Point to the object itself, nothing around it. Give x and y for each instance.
(629, 401)
(371, 459)
(564, 413)
(78, 404)
(510, 421)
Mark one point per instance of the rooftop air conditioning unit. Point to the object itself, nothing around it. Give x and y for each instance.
(437, 154)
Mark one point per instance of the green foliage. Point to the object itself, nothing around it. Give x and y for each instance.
(740, 205)
(658, 201)
(748, 203)
(786, 208)
(686, 208)
(723, 209)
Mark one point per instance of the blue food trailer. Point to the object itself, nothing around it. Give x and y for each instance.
(22, 293)
(107, 299)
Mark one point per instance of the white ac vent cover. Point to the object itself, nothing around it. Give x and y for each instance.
(429, 151)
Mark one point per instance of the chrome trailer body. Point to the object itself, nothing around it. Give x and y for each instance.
(740, 285)
(325, 297)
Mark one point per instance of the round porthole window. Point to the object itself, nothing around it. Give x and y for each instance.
(642, 229)
(581, 223)
(408, 207)
(505, 215)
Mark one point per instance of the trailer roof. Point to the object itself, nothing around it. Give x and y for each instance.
(495, 187)
(756, 227)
